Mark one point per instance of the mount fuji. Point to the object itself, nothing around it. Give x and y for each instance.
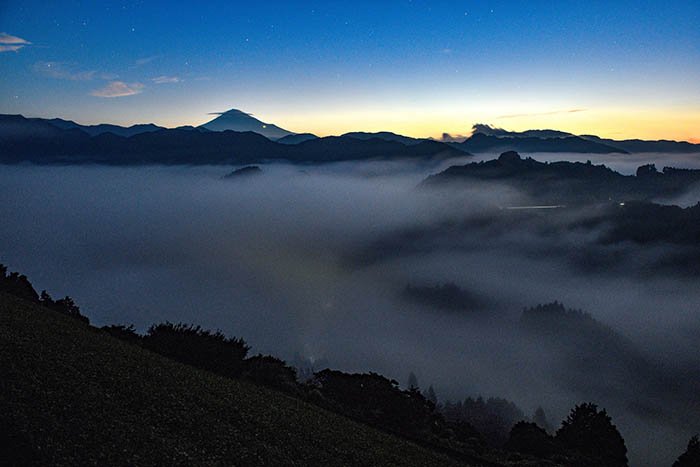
(237, 120)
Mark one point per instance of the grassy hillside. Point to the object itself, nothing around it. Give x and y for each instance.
(70, 394)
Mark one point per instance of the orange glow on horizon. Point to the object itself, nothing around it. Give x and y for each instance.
(679, 124)
(648, 124)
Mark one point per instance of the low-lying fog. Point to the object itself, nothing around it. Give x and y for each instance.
(285, 260)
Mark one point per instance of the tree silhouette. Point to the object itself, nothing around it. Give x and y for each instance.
(270, 371)
(528, 438)
(430, 395)
(197, 347)
(65, 305)
(590, 432)
(412, 382)
(378, 401)
(493, 417)
(125, 333)
(17, 284)
(691, 456)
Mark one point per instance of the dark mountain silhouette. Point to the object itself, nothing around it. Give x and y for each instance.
(191, 128)
(568, 141)
(340, 148)
(571, 182)
(480, 142)
(638, 145)
(94, 130)
(237, 120)
(18, 128)
(22, 139)
(64, 141)
(297, 138)
(647, 223)
(500, 132)
(385, 135)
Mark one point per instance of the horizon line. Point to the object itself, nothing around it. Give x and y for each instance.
(442, 137)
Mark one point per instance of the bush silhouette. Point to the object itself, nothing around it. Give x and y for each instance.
(493, 417)
(376, 399)
(17, 284)
(590, 432)
(125, 333)
(65, 305)
(528, 438)
(270, 371)
(691, 456)
(195, 346)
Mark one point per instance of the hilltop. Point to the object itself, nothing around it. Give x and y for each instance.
(570, 182)
(74, 395)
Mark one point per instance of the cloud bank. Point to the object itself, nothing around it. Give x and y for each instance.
(315, 261)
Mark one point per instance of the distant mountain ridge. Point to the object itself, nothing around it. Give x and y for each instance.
(488, 139)
(37, 141)
(639, 145)
(385, 135)
(95, 130)
(480, 142)
(297, 138)
(484, 138)
(500, 132)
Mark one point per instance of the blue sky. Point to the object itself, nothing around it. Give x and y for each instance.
(627, 68)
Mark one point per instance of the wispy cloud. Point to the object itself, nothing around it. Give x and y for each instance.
(61, 70)
(553, 112)
(146, 60)
(9, 43)
(8, 39)
(118, 89)
(166, 79)
(10, 48)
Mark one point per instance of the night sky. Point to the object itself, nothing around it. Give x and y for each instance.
(618, 69)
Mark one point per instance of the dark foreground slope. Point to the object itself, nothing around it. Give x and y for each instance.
(70, 394)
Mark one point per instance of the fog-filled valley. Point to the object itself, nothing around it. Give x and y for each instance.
(359, 266)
